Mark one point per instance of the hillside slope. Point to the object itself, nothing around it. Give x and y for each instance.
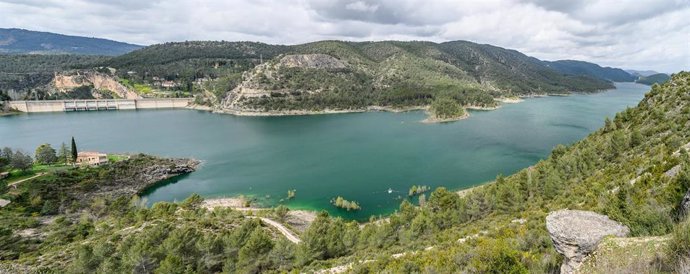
(658, 78)
(19, 41)
(572, 67)
(395, 74)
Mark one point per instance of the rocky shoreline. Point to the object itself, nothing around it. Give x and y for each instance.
(141, 172)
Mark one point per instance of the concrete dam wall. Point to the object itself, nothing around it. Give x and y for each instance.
(98, 104)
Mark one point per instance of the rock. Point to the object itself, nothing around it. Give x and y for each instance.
(577, 233)
(685, 204)
(671, 173)
(71, 80)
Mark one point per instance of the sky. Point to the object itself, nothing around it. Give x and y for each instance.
(630, 34)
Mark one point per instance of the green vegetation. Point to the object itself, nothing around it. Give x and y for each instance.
(30, 74)
(74, 151)
(658, 78)
(340, 202)
(403, 74)
(678, 250)
(446, 108)
(45, 155)
(572, 67)
(619, 170)
(416, 190)
(20, 41)
(117, 157)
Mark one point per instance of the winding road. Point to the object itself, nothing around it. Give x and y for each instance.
(286, 232)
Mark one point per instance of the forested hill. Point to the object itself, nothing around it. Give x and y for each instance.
(347, 75)
(19, 41)
(573, 67)
(658, 78)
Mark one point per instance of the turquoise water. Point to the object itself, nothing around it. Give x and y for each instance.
(358, 156)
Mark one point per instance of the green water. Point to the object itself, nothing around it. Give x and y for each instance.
(358, 156)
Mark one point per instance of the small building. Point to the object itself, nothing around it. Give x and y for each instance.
(91, 158)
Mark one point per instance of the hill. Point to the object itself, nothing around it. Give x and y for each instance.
(19, 41)
(257, 78)
(639, 73)
(653, 79)
(572, 67)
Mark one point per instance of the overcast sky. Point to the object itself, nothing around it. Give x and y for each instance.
(636, 34)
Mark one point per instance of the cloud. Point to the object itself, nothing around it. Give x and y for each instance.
(638, 34)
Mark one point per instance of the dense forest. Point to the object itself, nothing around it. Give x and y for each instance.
(621, 170)
(573, 67)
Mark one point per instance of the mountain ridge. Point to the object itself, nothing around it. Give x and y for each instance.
(22, 41)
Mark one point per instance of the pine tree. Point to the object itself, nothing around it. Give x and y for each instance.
(74, 151)
(63, 154)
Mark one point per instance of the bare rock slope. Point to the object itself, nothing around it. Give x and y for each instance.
(577, 233)
(68, 81)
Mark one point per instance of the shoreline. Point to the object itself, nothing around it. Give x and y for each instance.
(259, 113)
(433, 120)
(299, 219)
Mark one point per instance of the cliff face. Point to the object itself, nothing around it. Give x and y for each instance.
(67, 81)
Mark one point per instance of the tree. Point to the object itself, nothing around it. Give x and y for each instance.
(5, 159)
(21, 161)
(45, 155)
(63, 154)
(6, 153)
(446, 108)
(281, 212)
(74, 151)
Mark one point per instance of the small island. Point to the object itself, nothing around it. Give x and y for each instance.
(445, 109)
(340, 202)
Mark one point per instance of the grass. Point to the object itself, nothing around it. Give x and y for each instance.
(142, 88)
(116, 157)
(627, 255)
(16, 175)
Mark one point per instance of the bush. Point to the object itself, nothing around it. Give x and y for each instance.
(678, 251)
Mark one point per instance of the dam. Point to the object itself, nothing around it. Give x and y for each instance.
(99, 104)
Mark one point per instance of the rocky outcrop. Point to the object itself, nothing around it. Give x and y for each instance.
(100, 81)
(315, 61)
(685, 204)
(577, 233)
(140, 172)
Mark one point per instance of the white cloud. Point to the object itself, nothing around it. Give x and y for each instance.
(639, 34)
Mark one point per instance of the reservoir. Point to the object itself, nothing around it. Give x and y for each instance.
(359, 156)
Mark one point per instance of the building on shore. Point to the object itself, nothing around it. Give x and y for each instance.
(91, 158)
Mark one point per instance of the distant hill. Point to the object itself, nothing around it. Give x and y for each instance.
(653, 79)
(572, 67)
(639, 73)
(19, 41)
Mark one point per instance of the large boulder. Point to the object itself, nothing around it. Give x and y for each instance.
(576, 233)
